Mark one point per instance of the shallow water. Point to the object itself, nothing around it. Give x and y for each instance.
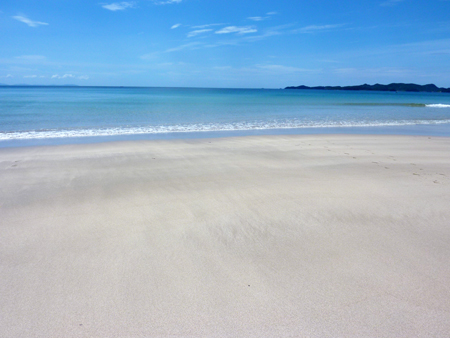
(74, 114)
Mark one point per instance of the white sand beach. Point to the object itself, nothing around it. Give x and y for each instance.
(265, 236)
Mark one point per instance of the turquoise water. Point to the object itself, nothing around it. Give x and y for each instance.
(62, 114)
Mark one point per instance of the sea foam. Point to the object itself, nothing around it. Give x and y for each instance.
(438, 105)
(213, 127)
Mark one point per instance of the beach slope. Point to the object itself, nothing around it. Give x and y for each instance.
(267, 236)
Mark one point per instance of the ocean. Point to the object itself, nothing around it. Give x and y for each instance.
(62, 115)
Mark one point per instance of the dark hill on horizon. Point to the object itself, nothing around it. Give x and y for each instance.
(393, 87)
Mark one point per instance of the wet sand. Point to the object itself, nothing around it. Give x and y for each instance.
(267, 236)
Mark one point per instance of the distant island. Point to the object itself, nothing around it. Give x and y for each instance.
(393, 87)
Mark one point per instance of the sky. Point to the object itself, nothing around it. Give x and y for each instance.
(224, 44)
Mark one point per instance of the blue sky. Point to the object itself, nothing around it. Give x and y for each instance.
(212, 43)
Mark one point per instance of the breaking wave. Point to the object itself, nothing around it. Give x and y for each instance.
(237, 126)
(438, 105)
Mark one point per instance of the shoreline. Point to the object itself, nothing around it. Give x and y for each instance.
(255, 236)
(439, 130)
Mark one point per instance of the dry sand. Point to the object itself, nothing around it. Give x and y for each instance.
(274, 236)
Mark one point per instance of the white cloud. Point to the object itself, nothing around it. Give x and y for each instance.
(7, 76)
(119, 6)
(175, 26)
(315, 28)
(269, 32)
(197, 32)
(29, 76)
(65, 76)
(262, 18)
(29, 22)
(238, 30)
(208, 25)
(167, 2)
(256, 18)
(70, 76)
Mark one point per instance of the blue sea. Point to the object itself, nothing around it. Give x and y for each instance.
(61, 115)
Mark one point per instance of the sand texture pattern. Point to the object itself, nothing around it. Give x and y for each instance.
(268, 236)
